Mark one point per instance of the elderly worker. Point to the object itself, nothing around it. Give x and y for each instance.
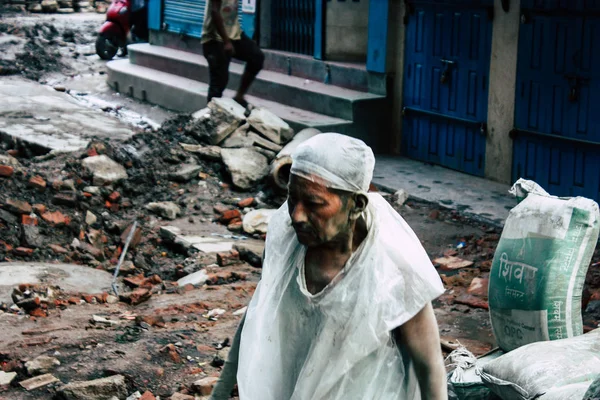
(343, 309)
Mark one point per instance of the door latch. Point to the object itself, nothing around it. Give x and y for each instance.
(575, 82)
(445, 77)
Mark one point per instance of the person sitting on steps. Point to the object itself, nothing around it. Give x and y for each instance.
(222, 39)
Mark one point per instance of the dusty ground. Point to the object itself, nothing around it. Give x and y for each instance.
(137, 350)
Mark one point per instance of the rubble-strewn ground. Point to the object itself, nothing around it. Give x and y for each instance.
(163, 337)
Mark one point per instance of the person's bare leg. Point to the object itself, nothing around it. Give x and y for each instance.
(246, 81)
(248, 51)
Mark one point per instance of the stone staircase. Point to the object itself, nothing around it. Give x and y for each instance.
(178, 80)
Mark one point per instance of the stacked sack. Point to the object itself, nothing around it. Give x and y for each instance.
(535, 291)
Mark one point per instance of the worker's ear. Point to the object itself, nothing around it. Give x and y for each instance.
(360, 203)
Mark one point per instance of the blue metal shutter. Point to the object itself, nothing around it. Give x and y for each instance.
(184, 16)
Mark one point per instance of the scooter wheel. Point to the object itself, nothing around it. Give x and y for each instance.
(106, 46)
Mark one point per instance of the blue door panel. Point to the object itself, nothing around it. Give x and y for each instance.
(557, 113)
(444, 118)
(561, 169)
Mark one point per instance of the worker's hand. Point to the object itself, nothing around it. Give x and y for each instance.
(229, 50)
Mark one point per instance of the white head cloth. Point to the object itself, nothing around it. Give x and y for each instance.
(342, 162)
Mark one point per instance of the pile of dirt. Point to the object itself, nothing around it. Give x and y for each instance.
(55, 208)
(39, 54)
(43, 48)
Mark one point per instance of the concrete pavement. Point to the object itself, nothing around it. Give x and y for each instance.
(475, 197)
(46, 120)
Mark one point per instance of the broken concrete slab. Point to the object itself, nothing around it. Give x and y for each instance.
(104, 170)
(239, 138)
(185, 173)
(165, 209)
(215, 123)
(270, 125)
(32, 236)
(452, 263)
(73, 278)
(7, 377)
(257, 221)
(99, 320)
(400, 197)
(227, 106)
(211, 153)
(246, 166)
(205, 386)
(41, 365)
(205, 244)
(246, 138)
(46, 120)
(98, 389)
(38, 382)
(197, 278)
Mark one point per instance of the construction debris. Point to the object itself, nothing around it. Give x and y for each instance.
(38, 382)
(98, 389)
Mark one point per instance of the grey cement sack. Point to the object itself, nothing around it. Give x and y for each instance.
(464, 382)
(539, 267)
(561, 369)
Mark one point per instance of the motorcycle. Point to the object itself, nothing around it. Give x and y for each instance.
(121, 22)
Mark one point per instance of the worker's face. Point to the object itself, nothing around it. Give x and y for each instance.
(319, 215)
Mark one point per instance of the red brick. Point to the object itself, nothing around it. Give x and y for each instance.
(56, 218)
(88, 298)
(204, 387)
(246, 202)
(92, 152)
(229, 215)
(87, 195)
(6, 171)
(136, 297)
(29, 220)
(23, 251)
(37, 182)
(7, 247)
(148, 396)
(450, 253)
(13, 153)
(452, 263)
(38, 312)
(101, 297)
(479, 287)
(39, 208)
(114, 197)
(153, 320)
(229, 258)
(472, 301)
(134, 281)
(18, 206)
(73, 300)
(135, 240)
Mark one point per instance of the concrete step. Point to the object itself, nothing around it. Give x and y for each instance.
(187, 95)
(292, 91)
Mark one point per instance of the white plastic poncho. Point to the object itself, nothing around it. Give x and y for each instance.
(337, 344)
